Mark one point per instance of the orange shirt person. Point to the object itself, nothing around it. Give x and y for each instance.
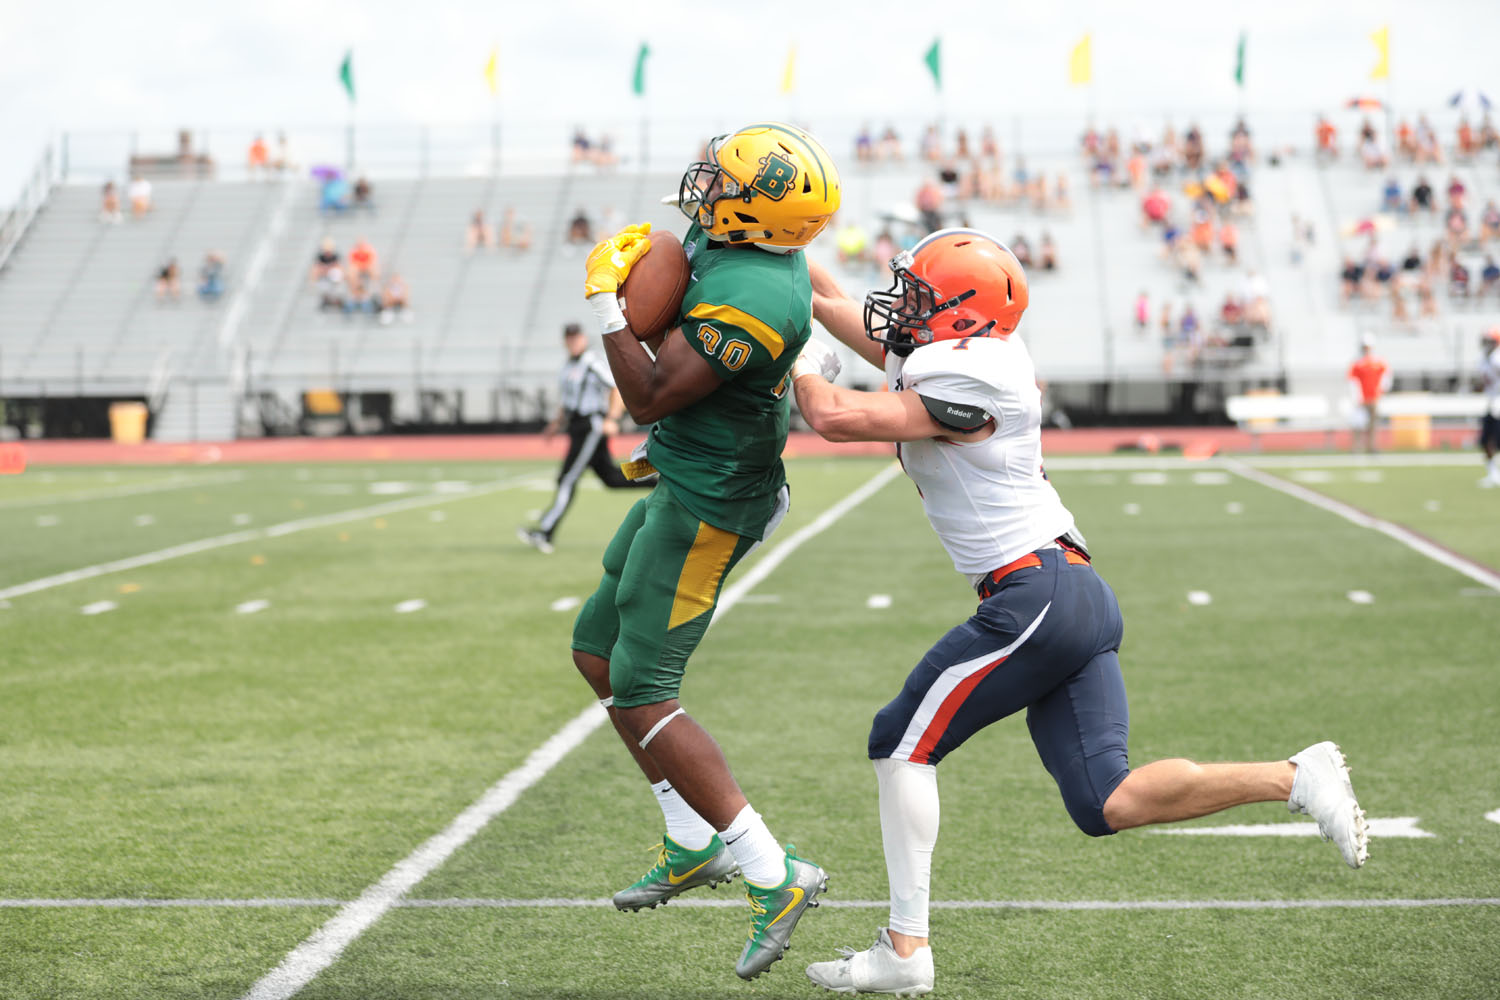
(1371, 378)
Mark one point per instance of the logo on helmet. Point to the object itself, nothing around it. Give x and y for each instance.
(776, 176)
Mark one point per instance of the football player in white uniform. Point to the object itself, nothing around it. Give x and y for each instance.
(1489, 422)
(965, 415)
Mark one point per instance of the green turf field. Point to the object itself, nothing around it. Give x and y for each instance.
(246, 693)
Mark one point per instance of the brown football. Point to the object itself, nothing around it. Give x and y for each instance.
(651, 296)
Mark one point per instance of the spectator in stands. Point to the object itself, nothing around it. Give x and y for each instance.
(1390, 198)
(333, 290)
(961, 149)
(109, 204)
(1429, 150)
(1255, 293)
(1421, 195)
(1190, 331)
(364, 263)
(1192, 148)
(1406, 141)
(1142, 312)
(361, 295)
(890, 145)
(1241, 149)
(364, 195)
(932, 145)
(1232, 312)
(929, 202)
(1229, 242)
(211, 276)
(1047, 252)
(1456, 225)
(478, 234)
(1154, 207)
(948, 178)
(333, 198)
(1327, 139)
(1467, 143)
(1456, 191)
(1458, 279)
(1489, 222)
(1202, 232)
(989, 146)
(581, 230)
(604, 152)
(324, 260)
(513, 234)
(282, 161)
(1369, 379)
(1372, 153)
(168, 281)
(140, 196)
(395, 299)
(1166, 323)
(583, 149)
(1489, 277)
(1351, 277)
(1489, 138)
(1021, 249)
(258, 161)
(1060, 200)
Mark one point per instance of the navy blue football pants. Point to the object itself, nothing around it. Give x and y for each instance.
(1046, 640)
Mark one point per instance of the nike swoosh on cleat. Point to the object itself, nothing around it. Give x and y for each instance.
(797, 890)
(675, 879)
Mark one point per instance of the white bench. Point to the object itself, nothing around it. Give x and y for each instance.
(1261, 413)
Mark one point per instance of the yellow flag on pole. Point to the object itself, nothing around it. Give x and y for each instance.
(491, 71)
(1382, 40)
(1081, 62)
(789, 75)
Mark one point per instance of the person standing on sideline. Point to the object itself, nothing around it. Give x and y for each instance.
(590, 412)
(1489, 423)
(1370, 378)
(716, 391)
(965, 412)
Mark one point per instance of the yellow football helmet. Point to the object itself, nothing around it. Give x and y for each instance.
(769, 184)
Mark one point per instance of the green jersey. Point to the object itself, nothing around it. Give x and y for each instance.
(748, 313)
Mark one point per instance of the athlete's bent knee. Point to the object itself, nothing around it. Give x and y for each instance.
(1085, 797)
(595, 670)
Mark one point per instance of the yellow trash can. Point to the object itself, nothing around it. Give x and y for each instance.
(1411, 430)
(127, 422)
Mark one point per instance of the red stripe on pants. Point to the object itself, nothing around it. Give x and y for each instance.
(946, 711)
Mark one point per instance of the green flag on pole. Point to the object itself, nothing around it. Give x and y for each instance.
(934, 61)
(639, 84)
(1239, 62)
(346, 74)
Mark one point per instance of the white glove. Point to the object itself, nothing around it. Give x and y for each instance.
(817, 358)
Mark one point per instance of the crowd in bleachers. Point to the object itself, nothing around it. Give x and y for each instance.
(353, 284)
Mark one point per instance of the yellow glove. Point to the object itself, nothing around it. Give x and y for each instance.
(610, 260)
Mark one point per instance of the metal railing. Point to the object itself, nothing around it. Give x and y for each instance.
(30, 201)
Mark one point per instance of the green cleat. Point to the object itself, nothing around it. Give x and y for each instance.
(677, 870)
(775, 911)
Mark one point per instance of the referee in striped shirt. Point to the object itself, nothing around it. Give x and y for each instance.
(590, 411)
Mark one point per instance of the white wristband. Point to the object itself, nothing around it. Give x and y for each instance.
(606, 307)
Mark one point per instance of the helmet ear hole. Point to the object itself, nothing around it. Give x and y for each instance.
(806, 184)
(748, 219)
(962, 324)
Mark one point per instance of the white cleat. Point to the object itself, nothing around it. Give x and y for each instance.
(877, 969)
(1489, 482)
(1321, 789)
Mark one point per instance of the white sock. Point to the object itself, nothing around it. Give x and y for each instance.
(909, 829)
(683, 825)
(762, 860)
(1495, 466)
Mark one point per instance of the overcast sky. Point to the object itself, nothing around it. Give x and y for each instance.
(157, 64)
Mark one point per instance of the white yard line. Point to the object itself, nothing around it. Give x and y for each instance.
(1405, 536)
(328, 942)
(250, 535)
(705, 903)
(176, 482)
(1122, 463)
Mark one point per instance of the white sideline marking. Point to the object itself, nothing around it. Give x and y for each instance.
(1369, 476)
(240, 520)
(1211, 478)
(328, 942)
(878, 601)
(47, 520)
(1132, 509)
(1148, 479)
(761, 599)
(145, 520)
(1234, 507)
(97, 608)
(1432, 506)
(251, 607)
(1199, 597)
(1493, 817)
(1392, 826)
(176, 482)
(407, 607)
(437, 517)
(1313, 476)
(391, 488)
(235, 538)
(452, 486)
(1405, 536)
(1477, 592)
(1361, 597)
(565, 603)
(553, 903)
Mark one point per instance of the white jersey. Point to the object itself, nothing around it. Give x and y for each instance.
(1489, 370)
(988, 500)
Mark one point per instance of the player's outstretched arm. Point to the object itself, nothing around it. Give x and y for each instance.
(842, 316)
(840, 414)
(653, 389)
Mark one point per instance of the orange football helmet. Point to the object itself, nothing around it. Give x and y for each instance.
(955, 283)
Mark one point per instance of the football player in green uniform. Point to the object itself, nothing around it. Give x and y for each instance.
(716, 393)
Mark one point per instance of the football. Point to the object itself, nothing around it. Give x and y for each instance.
(651, 296)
